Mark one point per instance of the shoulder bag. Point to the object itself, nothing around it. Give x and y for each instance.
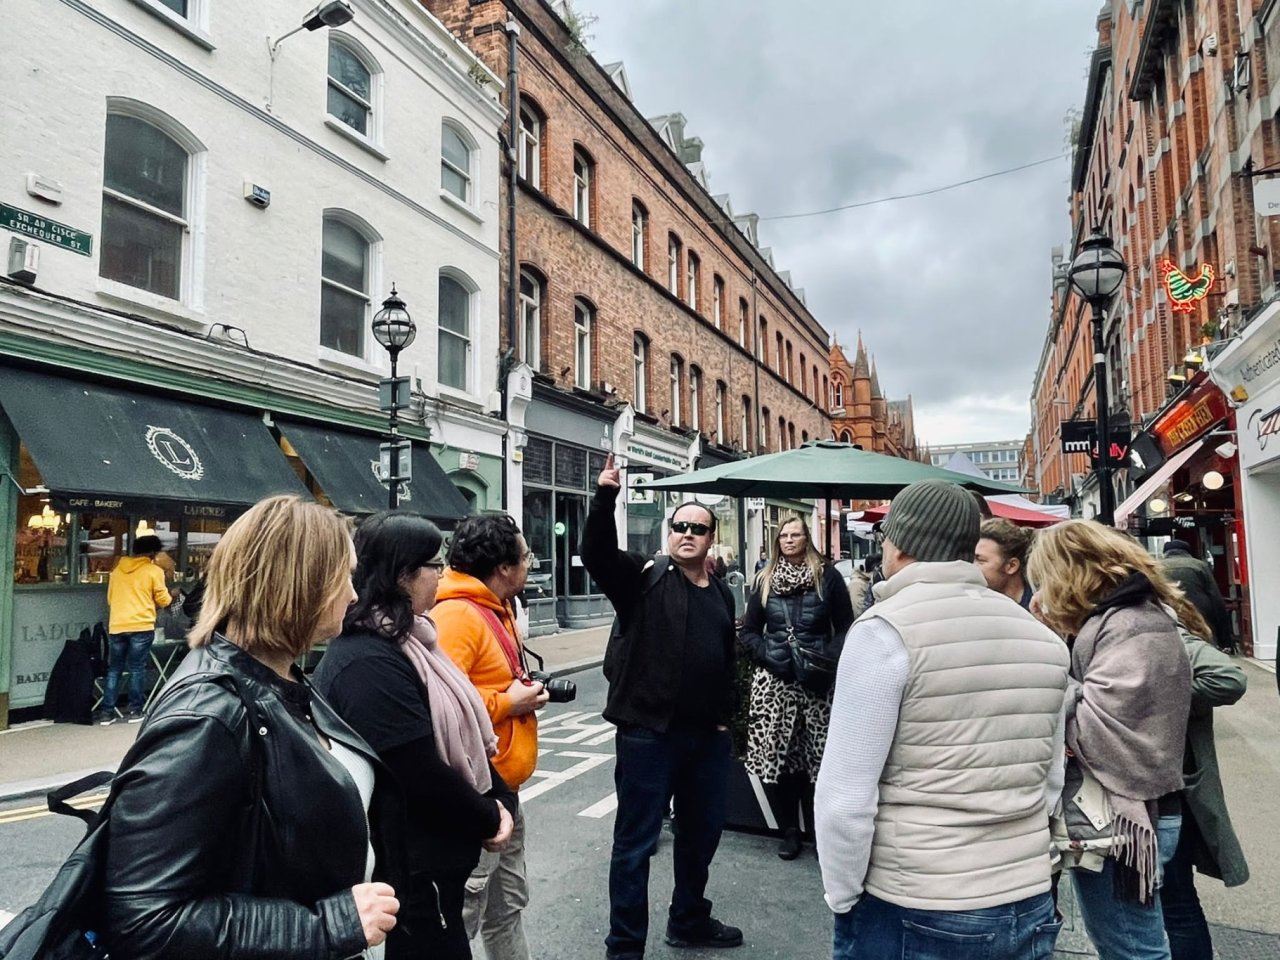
(814, 669)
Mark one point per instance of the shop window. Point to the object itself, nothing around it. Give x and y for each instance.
(344, 287)
(454, 361)
(537, 462)
(571, 467)
(455, 162)
(146, 202)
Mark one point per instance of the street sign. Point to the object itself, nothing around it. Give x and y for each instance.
(42, 228)
(1266, 197)
(393, 394)
(397, 455)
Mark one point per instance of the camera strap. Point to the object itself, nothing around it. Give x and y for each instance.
(510, 647)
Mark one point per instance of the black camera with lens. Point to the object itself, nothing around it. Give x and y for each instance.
(559, 690)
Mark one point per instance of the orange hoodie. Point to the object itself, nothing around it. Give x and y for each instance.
(470, 643)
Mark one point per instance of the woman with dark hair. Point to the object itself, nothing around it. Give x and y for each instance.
(388, 678)
(800, 602)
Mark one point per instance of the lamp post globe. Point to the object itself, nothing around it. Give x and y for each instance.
(392, 325)
(1098, 269)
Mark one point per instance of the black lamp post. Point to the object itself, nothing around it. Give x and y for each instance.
(395, 330)
(1096, 273)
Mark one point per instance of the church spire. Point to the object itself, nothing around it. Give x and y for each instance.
(860, 371)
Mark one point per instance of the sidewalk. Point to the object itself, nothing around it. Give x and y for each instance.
(38, 756)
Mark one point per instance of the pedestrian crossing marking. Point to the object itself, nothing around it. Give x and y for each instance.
(601, 809)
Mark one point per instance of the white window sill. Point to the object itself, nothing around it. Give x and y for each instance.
(152, 303)
(193, 32)
(460, 397)
(348, 363)
(463, 208)
(356, 137)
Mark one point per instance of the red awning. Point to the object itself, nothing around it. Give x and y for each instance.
(1019, 515)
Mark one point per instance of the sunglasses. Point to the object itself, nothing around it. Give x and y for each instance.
(436, 565)
(685, 526)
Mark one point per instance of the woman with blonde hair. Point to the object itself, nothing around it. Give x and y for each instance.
(1127, 711)
(238, 825)
(794, 628)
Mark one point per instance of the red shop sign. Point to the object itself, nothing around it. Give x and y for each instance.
(1190, 417)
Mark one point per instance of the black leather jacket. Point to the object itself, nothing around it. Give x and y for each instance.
(823, 621)
(184, 876)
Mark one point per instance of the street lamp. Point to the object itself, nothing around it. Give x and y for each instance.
(395, 330)
(1096, 273)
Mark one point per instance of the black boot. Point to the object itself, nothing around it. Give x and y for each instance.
(789, 847)
(784, 798)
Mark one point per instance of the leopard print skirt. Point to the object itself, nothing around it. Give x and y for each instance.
(788, 728)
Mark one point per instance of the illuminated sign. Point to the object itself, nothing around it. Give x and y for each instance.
(1186, 420)
(1185, 292)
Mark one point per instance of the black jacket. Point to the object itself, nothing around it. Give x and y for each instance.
(374, 687)
(822, 620)
(185, 877)
(643, 658)
(1196, 580)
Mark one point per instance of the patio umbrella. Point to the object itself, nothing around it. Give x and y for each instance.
(1023, 518)
(822, 469)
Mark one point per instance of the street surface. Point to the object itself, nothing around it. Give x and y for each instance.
(570, 803)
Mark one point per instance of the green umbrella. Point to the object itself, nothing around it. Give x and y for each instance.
(822, 469)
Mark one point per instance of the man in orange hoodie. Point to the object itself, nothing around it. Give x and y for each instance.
(488, 565)
(135, 589)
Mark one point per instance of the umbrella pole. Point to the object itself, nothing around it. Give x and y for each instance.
(827, 537)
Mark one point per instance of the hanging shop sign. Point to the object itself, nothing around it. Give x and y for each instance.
(1081, 436)
(1185, 291)
(1186, 420)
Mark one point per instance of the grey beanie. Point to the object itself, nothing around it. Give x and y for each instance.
(934, 521)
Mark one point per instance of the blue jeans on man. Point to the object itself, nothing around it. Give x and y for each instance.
(127, 651)
(652, 768)
(1121, 929)
(878, 930)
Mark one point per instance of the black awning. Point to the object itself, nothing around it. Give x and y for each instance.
(345, 463)
(106, 448)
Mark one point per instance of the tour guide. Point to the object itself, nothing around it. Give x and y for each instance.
(671, 696)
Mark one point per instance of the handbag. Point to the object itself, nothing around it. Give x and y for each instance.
(814, 669)
(61, 924)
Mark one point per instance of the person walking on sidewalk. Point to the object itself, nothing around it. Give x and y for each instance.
(488, 565)
(669, 664)
(933, 800)
(135, 590)
(387, 677)
(1197, 581)
(800, 603)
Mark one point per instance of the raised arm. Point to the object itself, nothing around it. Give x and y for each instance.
(616, 571)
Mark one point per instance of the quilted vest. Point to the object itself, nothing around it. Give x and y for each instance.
(961, 823)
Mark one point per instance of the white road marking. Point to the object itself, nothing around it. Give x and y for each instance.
(758, 789)
(550, 779)
(575, 728)
(601, 809)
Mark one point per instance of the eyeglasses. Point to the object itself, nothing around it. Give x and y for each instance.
(529, 556)
(685, 526)
(436, 565)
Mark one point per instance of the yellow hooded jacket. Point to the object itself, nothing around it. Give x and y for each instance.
(134, 590)
(470, 643)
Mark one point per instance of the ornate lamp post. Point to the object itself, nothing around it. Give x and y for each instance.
(1096, 273)
(395, 330)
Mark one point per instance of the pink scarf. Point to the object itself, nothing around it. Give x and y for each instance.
(463, 731)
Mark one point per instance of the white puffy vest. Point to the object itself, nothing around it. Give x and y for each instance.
(962, 823)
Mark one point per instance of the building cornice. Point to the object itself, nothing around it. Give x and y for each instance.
(1161, 25)
(1099, 67)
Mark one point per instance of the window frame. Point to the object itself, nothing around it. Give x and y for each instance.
(468, 142)
(717, 300)
(373, 250)
(583, 184)
(470, 288)
(695, 397)
(693, 281)
(676, 371)
(744, 318)
(582, 342)
(529, 153)
(372, 135)
(639, 234)
(640, 373)
(530, 305)
(675, 250)
(722, 393)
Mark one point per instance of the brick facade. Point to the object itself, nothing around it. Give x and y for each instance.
(584, 115)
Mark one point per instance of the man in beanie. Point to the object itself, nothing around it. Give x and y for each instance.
(933, 799)
(1197, 581)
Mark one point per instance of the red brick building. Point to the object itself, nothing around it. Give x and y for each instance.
(860, 413)
(648, 320)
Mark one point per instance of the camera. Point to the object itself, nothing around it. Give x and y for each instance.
(558, 689)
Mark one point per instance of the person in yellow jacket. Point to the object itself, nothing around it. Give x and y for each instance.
(135, 590)
(488, 566)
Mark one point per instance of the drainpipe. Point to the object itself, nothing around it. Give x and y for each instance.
(507, 358)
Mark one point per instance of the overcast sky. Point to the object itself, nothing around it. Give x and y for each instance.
(812, 104)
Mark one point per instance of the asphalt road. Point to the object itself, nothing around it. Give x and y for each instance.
(570, 803)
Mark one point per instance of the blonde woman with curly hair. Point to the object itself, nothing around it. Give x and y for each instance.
(794, 628)
(1126, 724)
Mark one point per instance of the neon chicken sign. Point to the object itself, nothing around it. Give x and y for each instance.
(1184, 291)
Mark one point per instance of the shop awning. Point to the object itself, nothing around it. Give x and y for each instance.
(344, 464)
(105, 448)
(1150, 485)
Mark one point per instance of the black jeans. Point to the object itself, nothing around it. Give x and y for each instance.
(1184, 921)
(691, 766)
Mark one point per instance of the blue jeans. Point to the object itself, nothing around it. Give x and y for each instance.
(128, 652)
(878, 930)
(691, 766)
(1121, 929)
(1184, 920)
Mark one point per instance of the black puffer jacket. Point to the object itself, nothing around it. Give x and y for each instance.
(822, 621)
(184, 878)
